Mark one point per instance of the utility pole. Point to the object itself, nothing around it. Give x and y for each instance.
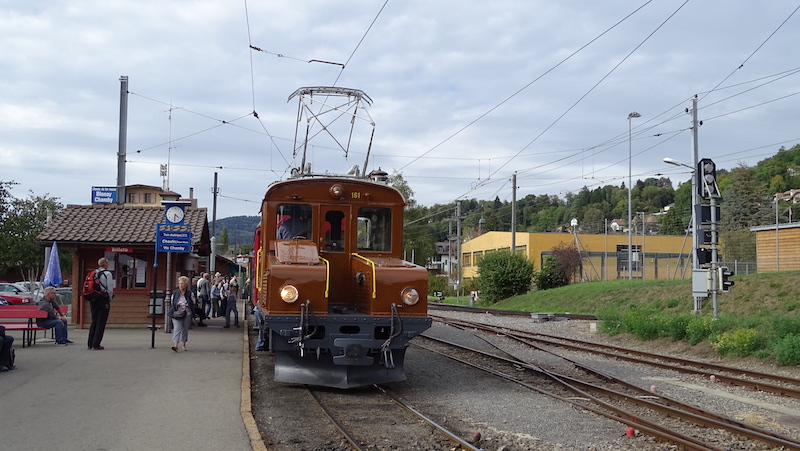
(458, 247)
(698, 301)
(513, 213)
(123, 138)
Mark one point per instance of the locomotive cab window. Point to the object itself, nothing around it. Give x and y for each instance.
(334, 231)
(294, 221)
(374, 229)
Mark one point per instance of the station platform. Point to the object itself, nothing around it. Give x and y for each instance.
(130, 395)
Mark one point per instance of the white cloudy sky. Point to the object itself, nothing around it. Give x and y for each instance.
(465, 93)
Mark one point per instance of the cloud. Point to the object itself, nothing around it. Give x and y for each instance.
(464, 93)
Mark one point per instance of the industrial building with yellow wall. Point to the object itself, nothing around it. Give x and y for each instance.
(605, 256)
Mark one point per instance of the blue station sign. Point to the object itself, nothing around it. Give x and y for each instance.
(104, 194)
(170, 240)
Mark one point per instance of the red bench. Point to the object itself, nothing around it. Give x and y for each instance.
(24, 318)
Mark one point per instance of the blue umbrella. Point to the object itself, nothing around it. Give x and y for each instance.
(52, 275)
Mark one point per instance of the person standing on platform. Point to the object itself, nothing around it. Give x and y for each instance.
(181, 309)
(233, 298)
(216, 308)
(100, 305)
(204, 293)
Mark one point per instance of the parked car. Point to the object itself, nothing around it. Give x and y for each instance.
(14, 295)
(35, 289)
(3, 301)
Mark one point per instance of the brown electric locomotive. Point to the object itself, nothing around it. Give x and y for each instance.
(339, 304)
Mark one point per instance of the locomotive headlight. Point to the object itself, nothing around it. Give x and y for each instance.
(410, 296)
(289, 293)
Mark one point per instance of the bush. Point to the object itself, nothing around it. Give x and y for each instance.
(739, 342)
(783, 326)
(787, 350)
(502, 275)
(675, 327)
(699, 328)
(551, 276)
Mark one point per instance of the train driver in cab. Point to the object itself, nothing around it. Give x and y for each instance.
(295, 225)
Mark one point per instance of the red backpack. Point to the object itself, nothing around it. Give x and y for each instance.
(91, 286)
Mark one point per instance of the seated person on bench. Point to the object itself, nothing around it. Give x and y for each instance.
(55, 319)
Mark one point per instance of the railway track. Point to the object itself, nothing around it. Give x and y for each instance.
(606, 394)
(377, 424)
(738, 377)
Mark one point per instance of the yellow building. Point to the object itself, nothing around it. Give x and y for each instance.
(606, 256)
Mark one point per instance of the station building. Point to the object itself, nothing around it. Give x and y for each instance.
(605, 256)
(125, 234)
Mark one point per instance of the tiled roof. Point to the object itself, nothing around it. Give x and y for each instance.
(117, 224)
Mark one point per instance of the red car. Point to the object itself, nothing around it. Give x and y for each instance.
(14, 295)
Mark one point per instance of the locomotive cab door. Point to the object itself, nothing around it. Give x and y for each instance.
(334, 246)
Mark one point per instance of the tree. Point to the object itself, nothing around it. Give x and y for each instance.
(397, 182)
(503, 274)
(559, 269)
(744, 205)
(20, 221)
(222, 244)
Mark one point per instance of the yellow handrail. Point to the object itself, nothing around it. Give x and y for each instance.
(260, 269)
(374, 276)
(327, 276)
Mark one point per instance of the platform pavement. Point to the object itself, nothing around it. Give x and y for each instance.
(131, 396)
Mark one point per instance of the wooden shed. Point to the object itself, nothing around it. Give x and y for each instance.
(778, 247)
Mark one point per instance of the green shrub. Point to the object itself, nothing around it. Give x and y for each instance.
(787, 350)
(675, 327)
(783, 326)
(739, 342)
(502, 275)
(610, 322)
(699, 328)
(645, 326)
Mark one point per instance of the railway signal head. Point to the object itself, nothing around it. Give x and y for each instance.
(725, 283)
(707, 179)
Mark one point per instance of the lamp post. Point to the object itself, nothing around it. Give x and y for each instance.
(630, 194)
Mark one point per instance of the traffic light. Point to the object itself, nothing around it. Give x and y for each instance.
(703, 256)
(707, 179)
(725, 283)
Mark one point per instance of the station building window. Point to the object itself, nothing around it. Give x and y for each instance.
(128, 269)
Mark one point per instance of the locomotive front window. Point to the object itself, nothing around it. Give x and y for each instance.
(374, 229)
(294, 221)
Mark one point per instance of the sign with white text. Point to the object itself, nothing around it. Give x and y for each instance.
(170, 240)
(104, 194)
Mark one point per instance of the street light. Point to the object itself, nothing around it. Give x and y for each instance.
(630, 194)
(695, 262)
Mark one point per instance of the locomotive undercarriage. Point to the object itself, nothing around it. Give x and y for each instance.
(341, 350)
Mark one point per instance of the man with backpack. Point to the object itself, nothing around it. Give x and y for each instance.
(100, 303)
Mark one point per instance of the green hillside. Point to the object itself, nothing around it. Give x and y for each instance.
(753, 295)
(759, 317)
(240, 229)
